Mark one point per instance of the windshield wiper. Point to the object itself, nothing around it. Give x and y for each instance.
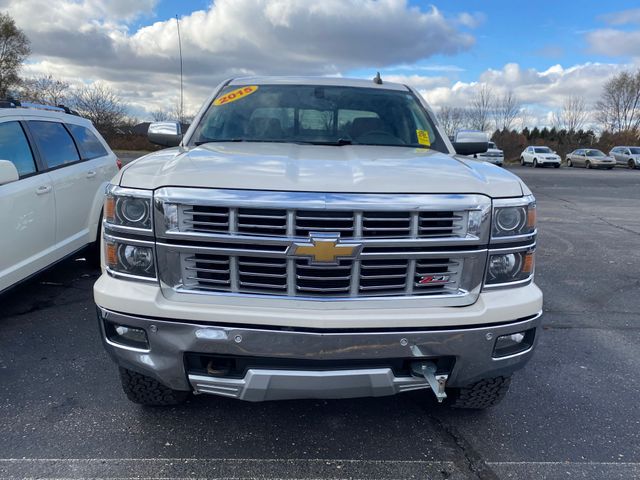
(338, 143)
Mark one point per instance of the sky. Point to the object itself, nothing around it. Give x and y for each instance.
(541, 51)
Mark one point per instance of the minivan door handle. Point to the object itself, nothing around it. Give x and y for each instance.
(42, 189)
(91, 173)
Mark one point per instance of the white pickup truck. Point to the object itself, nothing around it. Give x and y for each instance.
(317, 238)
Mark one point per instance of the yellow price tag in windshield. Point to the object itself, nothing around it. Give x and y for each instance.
(423, 138)
(234, 95)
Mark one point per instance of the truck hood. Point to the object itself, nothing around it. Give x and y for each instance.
(315, 168)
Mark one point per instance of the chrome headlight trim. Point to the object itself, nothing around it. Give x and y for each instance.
(114, 216)
(525, 230)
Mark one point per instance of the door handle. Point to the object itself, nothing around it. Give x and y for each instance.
(42, 189)
(91, 173)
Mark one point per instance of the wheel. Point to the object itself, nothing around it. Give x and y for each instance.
(569, 163)
(148, 391)
(535, 163)
(92, 251)
(482, 394)
(588, 164)
(522, 161)
(631, 164)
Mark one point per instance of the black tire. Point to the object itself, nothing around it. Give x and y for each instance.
(148, 391)
(569, 163)
(92, 252)
(631, 164)
(522, 161)
(535, 163)
(588, 165)
(482, 394)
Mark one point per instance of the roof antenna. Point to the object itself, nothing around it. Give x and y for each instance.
(377, 80)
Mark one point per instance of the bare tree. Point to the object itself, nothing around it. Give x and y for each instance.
(523, 118)
(14, 49)
(506, 111)
(573, 116)
(481, 108)
(619, 105)
(451, 119)
(161, 116)
(102, 106)
(45, 89)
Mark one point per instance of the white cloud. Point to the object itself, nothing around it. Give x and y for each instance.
(232, 37)
(614, 43)
(623, 17)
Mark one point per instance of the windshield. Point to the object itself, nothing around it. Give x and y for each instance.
(324, 115)
(542, 150)
(595, 153)
(635, 151)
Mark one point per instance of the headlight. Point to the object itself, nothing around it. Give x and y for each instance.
(509, 267)
(129, 257)
(514, 217)
(128, 208)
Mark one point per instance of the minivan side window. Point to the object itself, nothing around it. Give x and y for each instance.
(54, 143)
(88, 144)
(14, 147)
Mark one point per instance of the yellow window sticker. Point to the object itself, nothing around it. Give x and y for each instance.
(234, 95)
(423, 137)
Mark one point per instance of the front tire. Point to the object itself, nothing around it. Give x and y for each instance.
(148, 391)
(588, 165)
(631, 164)
(535, 163)
(569, 163)
(482, 394)
(522, 161)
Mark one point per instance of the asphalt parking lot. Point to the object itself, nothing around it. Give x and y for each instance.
(572, 413)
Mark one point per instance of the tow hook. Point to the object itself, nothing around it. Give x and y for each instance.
(436, 382)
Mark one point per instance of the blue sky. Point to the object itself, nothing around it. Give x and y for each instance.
(543, 51)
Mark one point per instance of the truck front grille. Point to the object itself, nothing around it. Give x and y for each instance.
(220, 242)
(270, 222)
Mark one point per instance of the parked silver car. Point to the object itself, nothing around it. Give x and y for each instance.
(590, 158)
(626, 156)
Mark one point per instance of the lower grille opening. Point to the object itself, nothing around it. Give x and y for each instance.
(237, 366)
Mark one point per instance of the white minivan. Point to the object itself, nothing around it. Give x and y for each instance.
(54, 167)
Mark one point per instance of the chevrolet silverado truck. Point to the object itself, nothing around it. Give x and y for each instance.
(316, 238)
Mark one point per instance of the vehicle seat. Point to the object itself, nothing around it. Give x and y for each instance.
(364, 125)
(265, 128)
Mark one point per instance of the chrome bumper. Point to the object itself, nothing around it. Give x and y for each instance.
(169, 341)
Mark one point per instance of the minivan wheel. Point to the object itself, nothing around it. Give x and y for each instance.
(481, 394)
(631, 164)
(148, 391)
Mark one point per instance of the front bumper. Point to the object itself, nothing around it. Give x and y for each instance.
(467, 353)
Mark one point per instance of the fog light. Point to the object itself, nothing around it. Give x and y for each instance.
(127, 336)
(513, 343)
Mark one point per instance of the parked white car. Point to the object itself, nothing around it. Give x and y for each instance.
(540, 157)
(492, 155)
(54, 167)
(626, 156)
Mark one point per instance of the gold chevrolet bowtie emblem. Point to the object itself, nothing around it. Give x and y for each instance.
(325, 249)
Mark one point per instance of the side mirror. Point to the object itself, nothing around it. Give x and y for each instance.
(8, 172)
(470, 148)
(168, 134)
